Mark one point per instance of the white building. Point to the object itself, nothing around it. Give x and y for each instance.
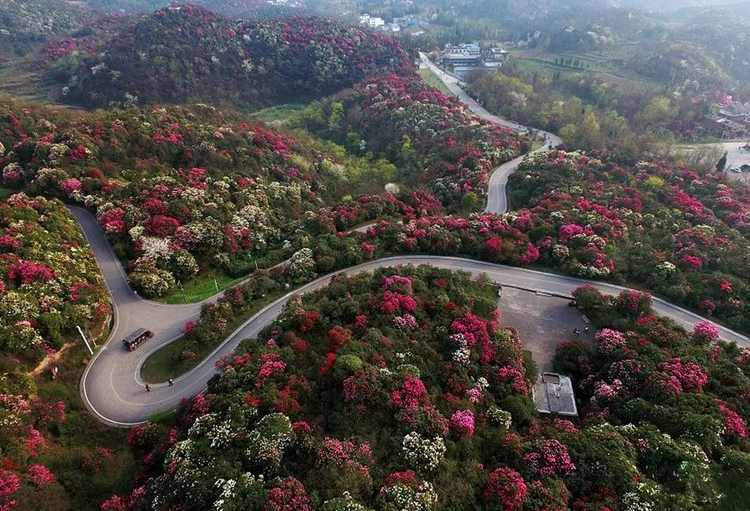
(371, 21)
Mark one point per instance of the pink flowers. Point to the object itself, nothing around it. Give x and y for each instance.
(345, 453)
(271, 365)
(290, 495)
(505, 489)
(609, 341)
(40, 475)
(605, 391)
(549, 458)
(705, 332)
(398, 281)
(692, 377)
(462, 422)
(734, 425)
(70, 186)
(405, 322)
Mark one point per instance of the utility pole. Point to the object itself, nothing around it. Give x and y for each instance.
(84, 339)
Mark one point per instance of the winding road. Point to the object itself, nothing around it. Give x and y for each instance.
(111, 387)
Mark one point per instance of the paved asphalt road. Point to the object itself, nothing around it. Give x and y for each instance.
(111, 386)
(497, 200)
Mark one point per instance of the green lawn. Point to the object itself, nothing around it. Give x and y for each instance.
(169, 362)
(205, 285)
(278, 115)
(433, 81)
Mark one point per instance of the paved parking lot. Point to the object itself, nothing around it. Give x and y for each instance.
(542, 322)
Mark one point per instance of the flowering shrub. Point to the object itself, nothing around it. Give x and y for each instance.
(505, 490)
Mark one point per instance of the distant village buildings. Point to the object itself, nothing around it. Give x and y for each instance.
(413, 25)
(463, 58)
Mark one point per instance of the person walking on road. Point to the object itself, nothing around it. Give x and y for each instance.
(170, 382)
(148, 388)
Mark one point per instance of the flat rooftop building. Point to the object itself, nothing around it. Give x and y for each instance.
(553, 394)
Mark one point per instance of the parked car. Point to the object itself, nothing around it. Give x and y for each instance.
(135, 339)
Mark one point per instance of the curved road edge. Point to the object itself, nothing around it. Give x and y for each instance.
(137, 405)
(497, 199)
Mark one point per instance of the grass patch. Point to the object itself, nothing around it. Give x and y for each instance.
(433, 81)
(203, 286)
(169, 362)
(278, 115)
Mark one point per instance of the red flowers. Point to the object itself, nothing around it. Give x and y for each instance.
(40, 475)
(393, 302)
(505, 490)
(549, 458)
(734, 425)
(162, 225)
(290, 495)
(28, 272)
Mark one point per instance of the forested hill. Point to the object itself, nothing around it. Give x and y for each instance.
(187, 53)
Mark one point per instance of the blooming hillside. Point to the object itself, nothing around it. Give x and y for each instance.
(392, 390)
(49, 281)
(25, 22)
(680, 233)
(187, 53)
(677, 403)
(53, 453)
(401, 389)
(434, 139)
(179, 189)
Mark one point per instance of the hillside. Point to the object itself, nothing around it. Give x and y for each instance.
(183, 190)
(26, 22)
(187, 53)
(55, 455)
(404, 390)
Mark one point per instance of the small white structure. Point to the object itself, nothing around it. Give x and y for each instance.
(553, 394)
(371, 21)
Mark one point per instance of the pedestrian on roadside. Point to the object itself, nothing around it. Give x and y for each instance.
(148, 388)
(171, 382)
